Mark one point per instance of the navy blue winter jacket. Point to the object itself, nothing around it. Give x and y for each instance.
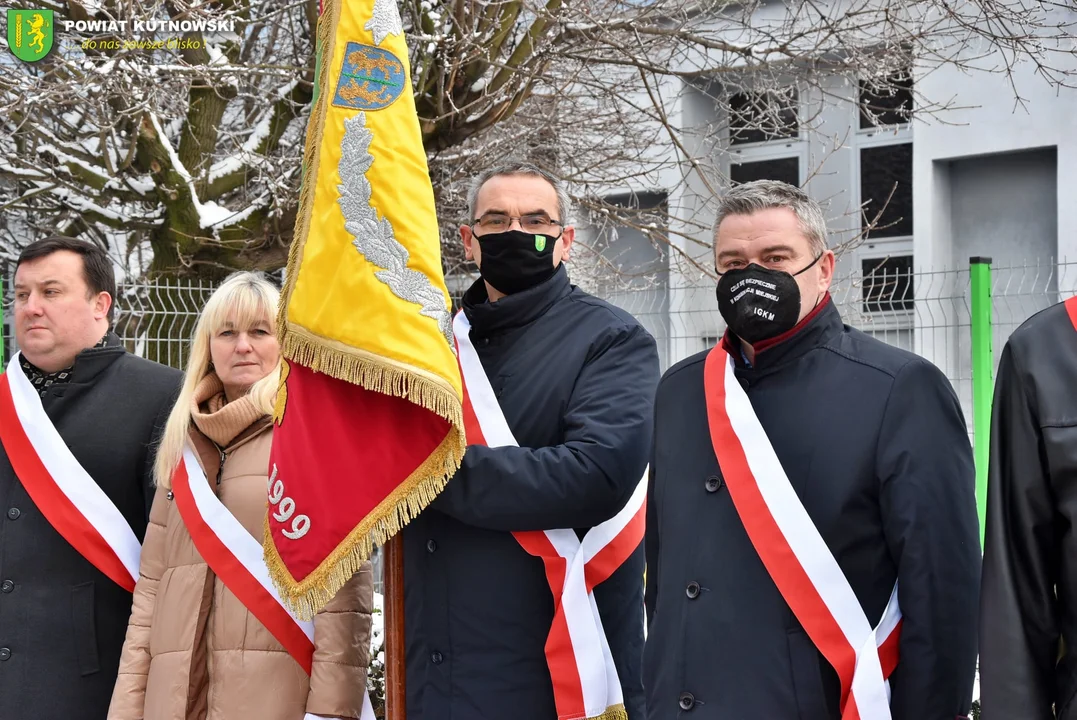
(575, 378)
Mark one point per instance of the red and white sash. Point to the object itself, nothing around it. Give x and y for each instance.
(584, 676)
(795, 554)
(1071, 310)
(71, 500)
(236, 557)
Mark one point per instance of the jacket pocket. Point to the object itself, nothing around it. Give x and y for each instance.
(84, 628)
(807, 678)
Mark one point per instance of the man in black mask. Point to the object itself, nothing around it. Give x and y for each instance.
(560, 387)
(812, 547)
(516, 237)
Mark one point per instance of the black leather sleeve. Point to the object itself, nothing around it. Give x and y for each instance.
(1019, 628)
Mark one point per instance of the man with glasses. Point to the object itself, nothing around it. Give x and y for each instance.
(500, 622)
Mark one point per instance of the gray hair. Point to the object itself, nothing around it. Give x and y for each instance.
(564, 204)
(759, 195)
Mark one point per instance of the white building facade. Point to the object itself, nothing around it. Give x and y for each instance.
(990, 176)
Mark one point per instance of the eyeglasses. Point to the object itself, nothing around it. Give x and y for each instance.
(538, 223)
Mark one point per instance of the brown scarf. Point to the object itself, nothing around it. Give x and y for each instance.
(219, 420)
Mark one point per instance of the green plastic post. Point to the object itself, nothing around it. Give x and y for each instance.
(982, 380)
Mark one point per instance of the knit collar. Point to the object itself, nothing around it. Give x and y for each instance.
(219, 420)
(42, 380)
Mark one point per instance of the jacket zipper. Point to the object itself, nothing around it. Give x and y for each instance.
(220, 467)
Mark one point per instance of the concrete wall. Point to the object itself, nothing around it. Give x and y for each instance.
(983, 174)
(982, 171)
(1004, 206)
(991, 123)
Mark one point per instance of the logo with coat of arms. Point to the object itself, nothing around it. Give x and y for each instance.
(371, 78)
(29, 33)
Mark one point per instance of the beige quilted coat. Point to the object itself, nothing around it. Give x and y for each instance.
(193, 651)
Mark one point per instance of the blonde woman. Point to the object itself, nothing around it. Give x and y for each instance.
(194, 650)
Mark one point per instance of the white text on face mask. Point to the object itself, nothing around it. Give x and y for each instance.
(757, 293)
(765, 314)
(753, 281)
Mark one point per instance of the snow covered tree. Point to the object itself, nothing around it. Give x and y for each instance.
(182, 161)
(183, 158)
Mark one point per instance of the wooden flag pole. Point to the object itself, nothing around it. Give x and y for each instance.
(395, 649)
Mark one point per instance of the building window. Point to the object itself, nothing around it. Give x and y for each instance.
(632, 237)
(887, 105)
(763, 116)
(764, 137)
(785, 169)
(886, 185)
(888, 284)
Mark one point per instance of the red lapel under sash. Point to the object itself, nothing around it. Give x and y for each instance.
(72, 501)
(1071, 310)
(795, 555)
(582, 670)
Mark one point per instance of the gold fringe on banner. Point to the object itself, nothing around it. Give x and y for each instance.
(375, 373)
(305, 597)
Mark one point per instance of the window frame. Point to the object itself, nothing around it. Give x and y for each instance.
(902, 136)
(896, 319)
(798, 108)
(883, 129)
(776, 149)
(766, 154)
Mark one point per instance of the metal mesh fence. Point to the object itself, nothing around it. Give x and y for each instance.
(927, 313)
(154, 320)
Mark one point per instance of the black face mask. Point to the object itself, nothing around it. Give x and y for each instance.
(759, 303)
(514, 261)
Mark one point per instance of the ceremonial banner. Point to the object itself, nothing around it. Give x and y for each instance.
(369, 420)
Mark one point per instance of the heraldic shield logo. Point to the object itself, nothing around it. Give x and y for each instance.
(371, 78)
(29, 33)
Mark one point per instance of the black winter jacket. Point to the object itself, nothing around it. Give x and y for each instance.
(1029, 597)
(875, 446)
(575, 378)
(62, 621)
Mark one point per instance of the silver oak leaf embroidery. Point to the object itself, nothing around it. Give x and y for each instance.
(385, 20)
(374, 237)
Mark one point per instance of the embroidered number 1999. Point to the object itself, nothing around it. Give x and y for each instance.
(285, 509)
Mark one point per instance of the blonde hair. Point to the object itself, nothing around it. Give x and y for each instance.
(243, 299)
